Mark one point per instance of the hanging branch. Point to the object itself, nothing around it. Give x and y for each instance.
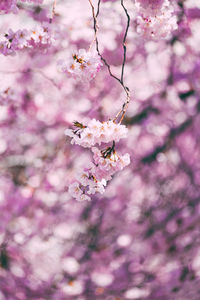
(124, 41)
(120, 80)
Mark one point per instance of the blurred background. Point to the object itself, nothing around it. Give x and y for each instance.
(140, 239)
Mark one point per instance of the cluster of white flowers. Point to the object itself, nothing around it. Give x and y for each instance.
(86, 185)
(96, 133)
(109, 163)
(156, 19)
(106, 163)
(12, 41)
(82, 65)
(41, 35)
(93, 179)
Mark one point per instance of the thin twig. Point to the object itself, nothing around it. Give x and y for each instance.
(120, 80)
(96, 27)
(124, 40)
(98, 8)
(124, 106)
(53, 11)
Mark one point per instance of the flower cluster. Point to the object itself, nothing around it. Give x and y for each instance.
(82, 65)
(108, 162)
(86, 185)
(96, 133)
(39, 37)
(155, 19)
(93, 179)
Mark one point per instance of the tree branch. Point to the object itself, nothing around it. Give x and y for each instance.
(121, 79)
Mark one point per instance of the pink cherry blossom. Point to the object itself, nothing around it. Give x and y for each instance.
(96, 132)
(82, 65)
(93, 178)
(40, 37)
(86, 185)
(107, 164)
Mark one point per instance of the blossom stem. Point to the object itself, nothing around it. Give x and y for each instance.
(96, 27)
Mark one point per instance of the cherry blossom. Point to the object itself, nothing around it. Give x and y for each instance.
(109, 162)
(93, 178)
(86, 185)
(96, 132)
(82, 65)
(39, 37)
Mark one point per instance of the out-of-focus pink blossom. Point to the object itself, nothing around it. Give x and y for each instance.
(155, 20)
(40, 37)
(7, 6)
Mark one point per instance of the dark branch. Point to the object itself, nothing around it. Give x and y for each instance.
(121, 79)
(124, 41)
